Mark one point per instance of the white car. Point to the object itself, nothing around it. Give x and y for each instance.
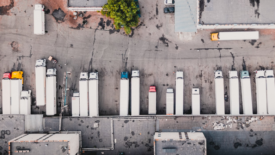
(169, 2)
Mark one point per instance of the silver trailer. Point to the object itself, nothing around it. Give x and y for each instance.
(16, 88)
(196, 107)
(179, 93)
(84, 94)
(234, 93)
(219, 93)
(169, 101)
(135, 93)
(25, 102)
(93, 94)
(75, 105)
(51, 92)
(40, 80)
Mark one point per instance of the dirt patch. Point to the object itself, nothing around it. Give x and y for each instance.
(14, 46)
(59, 15)
(268, 32)
(5, 6)
(5, 2)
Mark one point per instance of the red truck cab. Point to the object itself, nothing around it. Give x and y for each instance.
(7, 76)
(152, 89)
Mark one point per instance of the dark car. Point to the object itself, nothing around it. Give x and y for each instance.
(169, 10)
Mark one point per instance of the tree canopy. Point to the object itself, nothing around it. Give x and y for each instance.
(123, 12)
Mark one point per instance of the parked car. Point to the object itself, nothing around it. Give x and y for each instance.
(169, 10)
(169, 2)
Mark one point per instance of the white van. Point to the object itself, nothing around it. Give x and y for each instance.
(39, 19)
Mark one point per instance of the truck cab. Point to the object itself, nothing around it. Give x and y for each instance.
(244, 74)
(83, 76)
(269, 74)
(17, 75)
(152, 89)
(135, 73)
(7, 76)
(169, 90)
(40, 63)
(260, 74)
(179, 75)
(124, 75)
(218, 74)
(214, 36)
(233, 74)
(94, 76)
(51, 72)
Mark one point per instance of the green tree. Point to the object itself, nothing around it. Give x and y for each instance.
(123, 12)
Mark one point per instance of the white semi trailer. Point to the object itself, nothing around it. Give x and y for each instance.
(93, 94)
(196, 108)
(124, 94)
(84, 94)
(51, 91)
(25, 102)
(219, 93)
(234, 93)
(6, 93)
(39, 19)
(16, 88)
(239, 35)
(75, 105)
(152, 105)
(179, 93)
(135, 93)
(261, 93)
(246, 93)
(40, 82)
(269, 75)
(169, 101)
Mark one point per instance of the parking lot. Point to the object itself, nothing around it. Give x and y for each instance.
(153, 48)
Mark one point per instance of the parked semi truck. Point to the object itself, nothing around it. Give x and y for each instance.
(40, 81)
(269, 75)
(25, 102)
(261, 92)
(75, 105)
(39, 19)
(219, 93)
(6, 93)
(246, 93)
(51, 91)
(234, 93)
(18, 75)
(169, 101)
(16, 88)
(84, 94)
(93, 94)
(152, 105)
(124, 94)
(240, 35)
(135, 93)
(196, 107)
(179, 93)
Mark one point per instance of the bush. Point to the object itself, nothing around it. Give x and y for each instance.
(123, 12)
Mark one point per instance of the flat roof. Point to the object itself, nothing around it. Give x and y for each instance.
(85, 3)
(196, 147)
(39, 148)
(236, 12)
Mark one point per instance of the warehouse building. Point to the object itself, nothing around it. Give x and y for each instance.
(65, 143)
(191, 15)
(183, 143)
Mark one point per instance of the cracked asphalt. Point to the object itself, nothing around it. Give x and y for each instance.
(153, 48)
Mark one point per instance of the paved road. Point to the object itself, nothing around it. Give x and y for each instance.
(153, 48)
